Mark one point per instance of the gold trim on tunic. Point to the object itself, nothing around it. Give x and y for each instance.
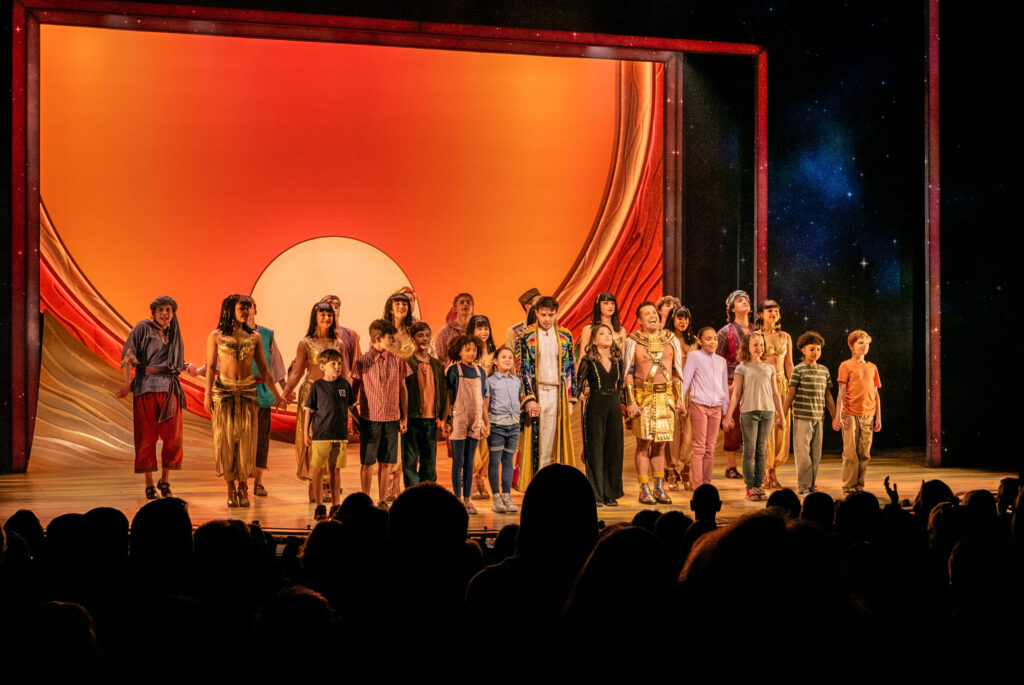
(657, 412)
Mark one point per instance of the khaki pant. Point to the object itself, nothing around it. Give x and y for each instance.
(857, 434)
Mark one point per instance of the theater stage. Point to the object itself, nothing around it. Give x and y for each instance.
(52, 487)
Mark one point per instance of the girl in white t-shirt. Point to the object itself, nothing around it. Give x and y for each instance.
(755, 393)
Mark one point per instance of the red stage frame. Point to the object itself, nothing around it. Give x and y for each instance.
(29, 14)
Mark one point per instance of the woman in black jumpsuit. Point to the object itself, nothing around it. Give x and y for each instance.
(600, 375)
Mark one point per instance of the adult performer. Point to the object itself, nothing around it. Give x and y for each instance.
(348, 338)
(398, 311)
(730, 339)
(455, 326)
(545, 355)
(320, 335)
(653, 383)
(278, 374)
(778, 351)
(231, 397)
(606, 311)
(155, 349)
(527, 301)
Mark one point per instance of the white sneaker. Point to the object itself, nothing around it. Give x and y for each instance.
(509, 506)
(499, 505)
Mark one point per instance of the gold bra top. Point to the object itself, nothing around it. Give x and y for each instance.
(314, 346)
(235, 348)
(772, 351)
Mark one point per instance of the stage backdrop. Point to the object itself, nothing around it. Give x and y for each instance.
(199, 166)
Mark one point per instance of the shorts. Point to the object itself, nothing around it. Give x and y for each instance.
(328, 454)
(378, 442)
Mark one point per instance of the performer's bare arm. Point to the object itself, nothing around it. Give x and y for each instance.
(298, 369)
(211, 369)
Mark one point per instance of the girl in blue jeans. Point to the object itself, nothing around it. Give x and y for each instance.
(754, 391)
(502, 412)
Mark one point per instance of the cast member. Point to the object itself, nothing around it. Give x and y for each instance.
(527, 301)
(667, 304)
(600, 382)
(606, 311)
(653, 384)
(730, 339)
(348, 338)
(155, 349)
(456, 325)
(681, 449)
(859, 413)
(778, 352)
(231, 398)
(426, 388)
(467, 388)
(545, 355)
(706, 381)
(809, 394)
(275, 362)
(326, 428)
(502, 427)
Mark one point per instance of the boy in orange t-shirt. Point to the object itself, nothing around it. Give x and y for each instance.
(859, 412)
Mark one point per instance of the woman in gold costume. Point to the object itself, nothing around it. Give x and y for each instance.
(606, 311)
(398, 310)
(778, 350)
(320, 335)
(230, 396)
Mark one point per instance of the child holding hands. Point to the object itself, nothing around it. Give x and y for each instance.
(326, 428)
(755, 393)
(809, 394)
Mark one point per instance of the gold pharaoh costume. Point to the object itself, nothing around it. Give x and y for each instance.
(656, 421)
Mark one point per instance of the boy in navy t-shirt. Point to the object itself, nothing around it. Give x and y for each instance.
(326, 428)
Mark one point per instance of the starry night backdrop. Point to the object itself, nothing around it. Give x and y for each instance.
(846, 181)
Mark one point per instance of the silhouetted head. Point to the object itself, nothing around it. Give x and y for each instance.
(558, 521)
(786, 501)
(705, 502)
(819, 508)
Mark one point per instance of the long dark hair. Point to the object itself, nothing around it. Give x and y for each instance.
(688, 337)
(227, 314)
(481, 320)
(321, 307)
(596, 316)
(591, 352)
(389, 314)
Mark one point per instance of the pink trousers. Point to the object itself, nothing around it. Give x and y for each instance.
(704, 423)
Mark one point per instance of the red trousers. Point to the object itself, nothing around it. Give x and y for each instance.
(146, 410)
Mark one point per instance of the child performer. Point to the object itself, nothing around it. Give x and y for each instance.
(778, 351)
(680, 451)
(600, 376)
(653, 389)
(155, 349)
(231, 398)
(480, 326)
(266, 398)
(706, 379)
(809, 394)
(755, 394)
(730, 339)
(326, 428)
(378, 380)
(320, 335)
(427, 390)
(606, 311)
(545, 356)
(467, 387)
(502, 427)
(859, 410)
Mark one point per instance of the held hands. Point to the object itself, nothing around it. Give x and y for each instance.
(308, 439)
(446, 430)
(780, 421)
(837, 422)
(124, 390)
(191, 370)
(403, 425)
(632, 411)
(728, 423)
(533, 409)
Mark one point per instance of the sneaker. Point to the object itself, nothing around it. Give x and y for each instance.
(470, 509)
(611, 503)
(320, 513)
(761, 494)
(499, 505)
(510, 506)
(752, 495)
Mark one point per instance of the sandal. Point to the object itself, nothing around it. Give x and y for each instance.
(243, 495)
(258, 490)
(165, 488)
(732, 472)
(151, 492)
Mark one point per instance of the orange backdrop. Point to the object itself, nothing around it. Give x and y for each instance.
(183, 165)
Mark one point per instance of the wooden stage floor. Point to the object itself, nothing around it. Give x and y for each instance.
(54, 486)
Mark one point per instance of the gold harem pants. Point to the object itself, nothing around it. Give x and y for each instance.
(235, 434)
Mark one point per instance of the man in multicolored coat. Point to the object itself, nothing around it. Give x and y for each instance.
(544, 354)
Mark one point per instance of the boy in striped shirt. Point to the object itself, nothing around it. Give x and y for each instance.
(808, 396)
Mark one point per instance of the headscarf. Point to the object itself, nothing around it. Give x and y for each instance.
(732, 298)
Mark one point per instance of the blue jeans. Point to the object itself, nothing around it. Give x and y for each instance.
(463, 452)
(502, 444)
(756, 427)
